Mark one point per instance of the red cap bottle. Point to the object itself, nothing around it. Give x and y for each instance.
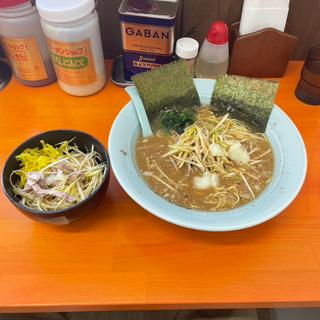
(11, 3)
(218, 33)
(213, 58)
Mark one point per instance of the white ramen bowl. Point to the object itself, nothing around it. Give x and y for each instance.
(288, 177)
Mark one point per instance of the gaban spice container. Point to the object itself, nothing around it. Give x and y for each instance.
(24, 43)
(147, 29)
(74, 41)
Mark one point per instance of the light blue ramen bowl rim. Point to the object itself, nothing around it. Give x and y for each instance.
(288, 177)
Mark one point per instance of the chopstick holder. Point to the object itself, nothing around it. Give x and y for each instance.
(261, 54)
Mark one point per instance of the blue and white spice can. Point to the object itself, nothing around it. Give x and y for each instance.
(147, 29)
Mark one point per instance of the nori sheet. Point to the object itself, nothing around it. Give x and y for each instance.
(168, 86)
(246, 99)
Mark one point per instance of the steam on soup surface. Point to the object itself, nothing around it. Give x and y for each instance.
(216, 164)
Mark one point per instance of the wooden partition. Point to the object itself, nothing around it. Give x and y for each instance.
(195, 16)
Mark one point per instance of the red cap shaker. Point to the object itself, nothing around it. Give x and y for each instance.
(218, 33)
(11, 3)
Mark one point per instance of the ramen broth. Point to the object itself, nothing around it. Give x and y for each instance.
(220, 167)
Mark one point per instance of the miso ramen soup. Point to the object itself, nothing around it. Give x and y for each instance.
(216, 164)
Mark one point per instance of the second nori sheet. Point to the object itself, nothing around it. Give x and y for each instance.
(247, 99)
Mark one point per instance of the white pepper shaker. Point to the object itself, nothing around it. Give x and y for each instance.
(74, 41)
(187, 49)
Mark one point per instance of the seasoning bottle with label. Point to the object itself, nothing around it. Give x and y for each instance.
(24, 43)
(147, 29)
(73, 37)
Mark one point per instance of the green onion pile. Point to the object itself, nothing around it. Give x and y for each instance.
(53, 178)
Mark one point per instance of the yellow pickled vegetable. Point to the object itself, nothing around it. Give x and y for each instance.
(36, 159)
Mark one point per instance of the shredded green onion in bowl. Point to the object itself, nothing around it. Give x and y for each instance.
(53, 178)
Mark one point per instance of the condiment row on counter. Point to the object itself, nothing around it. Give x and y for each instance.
(61, 39)
(46, 40)
(147, 29)
(54, 39)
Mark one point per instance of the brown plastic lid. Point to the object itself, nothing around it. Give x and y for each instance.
(313, 60)
(308, 88)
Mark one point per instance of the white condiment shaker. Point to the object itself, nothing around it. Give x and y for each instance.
(259, 14)
(187, 49)
(74, 41)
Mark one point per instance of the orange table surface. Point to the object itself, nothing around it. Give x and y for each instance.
(122, 257)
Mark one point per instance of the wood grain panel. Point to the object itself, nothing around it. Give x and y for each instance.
(199, 14)
(194, 18)
(110, 27)
(304, 22)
